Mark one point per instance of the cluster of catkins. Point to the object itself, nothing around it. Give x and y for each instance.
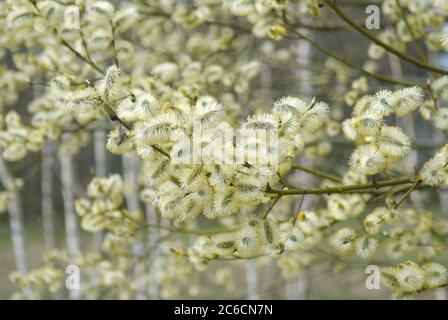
(214, 183)
(408, 277)
(380, 144)
(435, 171)
(98, 274)
(202, 170)
(18, 139)
(103, 210)
(260, 237)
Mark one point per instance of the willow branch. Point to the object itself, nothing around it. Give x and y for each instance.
(407, 194)
(347, 62)
(344, 189)
(380, 43)
(80, 56)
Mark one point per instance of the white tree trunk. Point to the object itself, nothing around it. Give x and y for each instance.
(15, 218)
(252, 280)
(100, 158)
(72, 231)
(130, 172)
(71, 219)
(47, 195)
(153, 236)
(100, 152)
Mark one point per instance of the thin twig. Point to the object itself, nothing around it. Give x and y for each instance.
(347, 188)
(317, 173)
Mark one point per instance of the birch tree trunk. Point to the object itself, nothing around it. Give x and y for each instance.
(72, 231)
(130, 172)
(252, 280)
(100, 158)
(47, 195)
(15, 218)
(153, 236)
(71, 220)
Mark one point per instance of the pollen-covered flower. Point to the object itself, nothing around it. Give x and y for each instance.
(110, 84)
(407, 100)
(440, 118)
(269, 233)
(224, 244)
(440, 87)
(156, 130)
(126, 111)
(146, 106)
(368, 124)
(291, 236)
(375, 219)
(292, 105)
(246, 242)
(224, 204)
(393, 142)
(367, 159)
(436, 275)
(261, 122)
(382, 103)
(410, 276)
(343, 240)
(250, 189)
(314, 117)
(435, 172)
(84, 100)
(207, 110)
(119, 142)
